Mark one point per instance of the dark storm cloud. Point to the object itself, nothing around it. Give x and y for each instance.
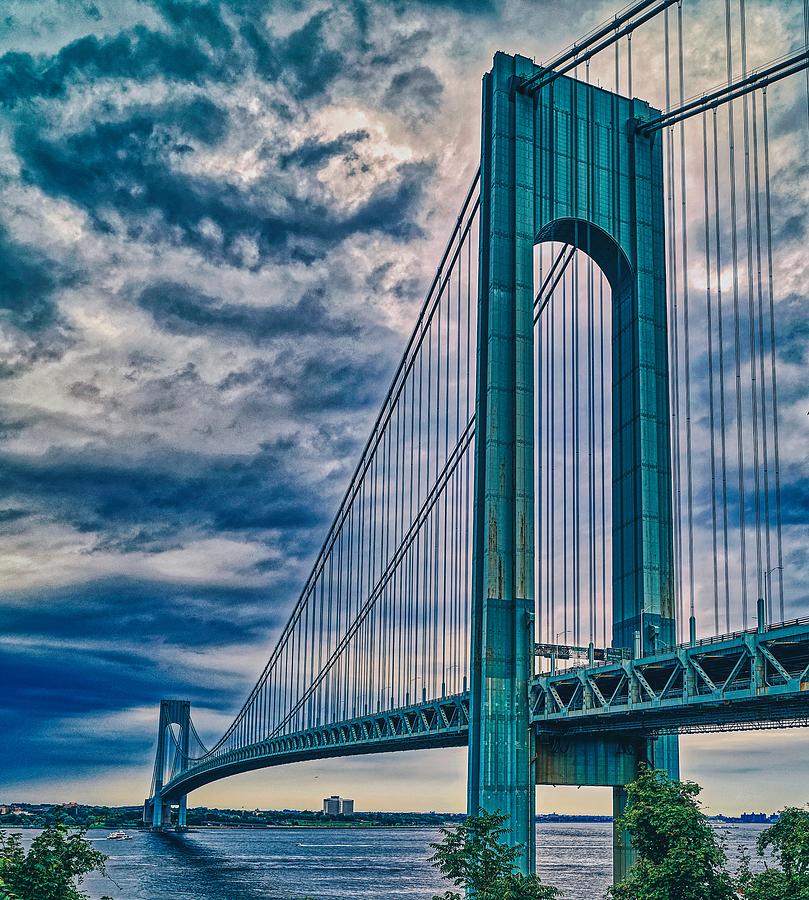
(792, 334)
(306, 54)
(121, 638)
(101, 646)
(181, 309)
(314, 154)
(119, 611)
(127, 166)
(414, 94)
(9, 516)
(471, 7)
(28, 281)
(795, 502)
(199, 43)
(142, 507)
(312, 383)
(138, 54)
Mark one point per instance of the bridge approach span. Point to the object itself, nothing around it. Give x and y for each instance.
(748, 679)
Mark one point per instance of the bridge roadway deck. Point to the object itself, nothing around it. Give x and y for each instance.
(740, 680)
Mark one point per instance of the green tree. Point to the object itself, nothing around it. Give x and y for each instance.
(678, 855)
(789, 879)
(55, 864)
(474, 856)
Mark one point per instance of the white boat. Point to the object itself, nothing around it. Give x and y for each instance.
(118, 836)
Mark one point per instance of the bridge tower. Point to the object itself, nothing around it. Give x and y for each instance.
(156, 812)
(562, 160)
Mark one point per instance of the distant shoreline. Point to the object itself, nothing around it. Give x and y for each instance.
(99, 818)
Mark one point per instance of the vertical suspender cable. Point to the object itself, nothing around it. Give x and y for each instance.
(602, 390)
(359, 582)
(539, 357)
(736, 317)
(419, 600)
(575, 374)
(591, 487)
(674, 338)
(352, 648)
(429, 595)
(382, 601)
(550, 491)
(721, 343)
(445, 505)
(751, 314)
(399, 582)
(374, 555)
(575, 440)
(467, 555)
(457, 526)
(806, 44)
(564, 451)
(412, 505)
(773, 380)
(709, 333)
(765, 444)
(686, 342)
(590, 372)
(629, 65)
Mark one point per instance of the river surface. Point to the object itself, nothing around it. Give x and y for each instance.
(337, 864)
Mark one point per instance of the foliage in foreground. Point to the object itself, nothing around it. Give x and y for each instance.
(678, 854)
(473, 856)
(57, 860)
(788, 840)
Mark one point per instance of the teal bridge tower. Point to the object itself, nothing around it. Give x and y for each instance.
(531, 474)
(564, 162)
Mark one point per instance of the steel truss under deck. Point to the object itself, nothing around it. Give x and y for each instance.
(747, 679)
(433, 723)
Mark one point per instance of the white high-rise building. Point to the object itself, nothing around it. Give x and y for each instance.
(335, 805)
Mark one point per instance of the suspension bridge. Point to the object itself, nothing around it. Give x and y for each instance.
(563, 543)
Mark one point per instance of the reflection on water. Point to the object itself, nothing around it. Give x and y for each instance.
(346, 864)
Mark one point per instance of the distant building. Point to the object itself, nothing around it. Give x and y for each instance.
(755, 817)
(336, 805)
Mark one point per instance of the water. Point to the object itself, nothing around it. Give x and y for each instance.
(337, 864)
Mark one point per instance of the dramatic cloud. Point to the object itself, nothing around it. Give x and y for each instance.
(218, 220)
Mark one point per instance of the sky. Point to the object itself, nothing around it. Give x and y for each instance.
(217, 222)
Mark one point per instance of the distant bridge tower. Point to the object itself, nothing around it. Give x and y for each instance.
(561, 160)
(156, 811)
